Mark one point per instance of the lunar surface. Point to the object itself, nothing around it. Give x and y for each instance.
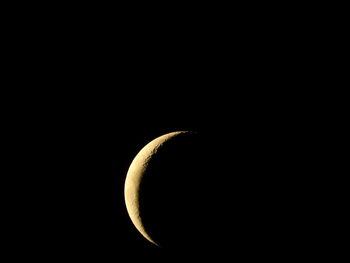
(166, 190)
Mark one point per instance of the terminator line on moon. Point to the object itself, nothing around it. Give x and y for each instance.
(135, 177)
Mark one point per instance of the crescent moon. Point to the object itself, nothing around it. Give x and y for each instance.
(134, 176)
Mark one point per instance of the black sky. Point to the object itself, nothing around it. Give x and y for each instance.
(83, 149)
(93, 109)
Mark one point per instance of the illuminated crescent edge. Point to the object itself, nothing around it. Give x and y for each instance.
(134, 176)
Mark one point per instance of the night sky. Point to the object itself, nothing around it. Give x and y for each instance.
(82, 143)
(96, 112)
(85, 151)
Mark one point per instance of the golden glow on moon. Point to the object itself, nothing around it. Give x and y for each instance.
(134, 177)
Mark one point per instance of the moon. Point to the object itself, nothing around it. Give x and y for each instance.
(134, 177)
(162, 189)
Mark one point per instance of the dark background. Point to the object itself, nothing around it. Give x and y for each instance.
(80, 152)
(98, 94)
